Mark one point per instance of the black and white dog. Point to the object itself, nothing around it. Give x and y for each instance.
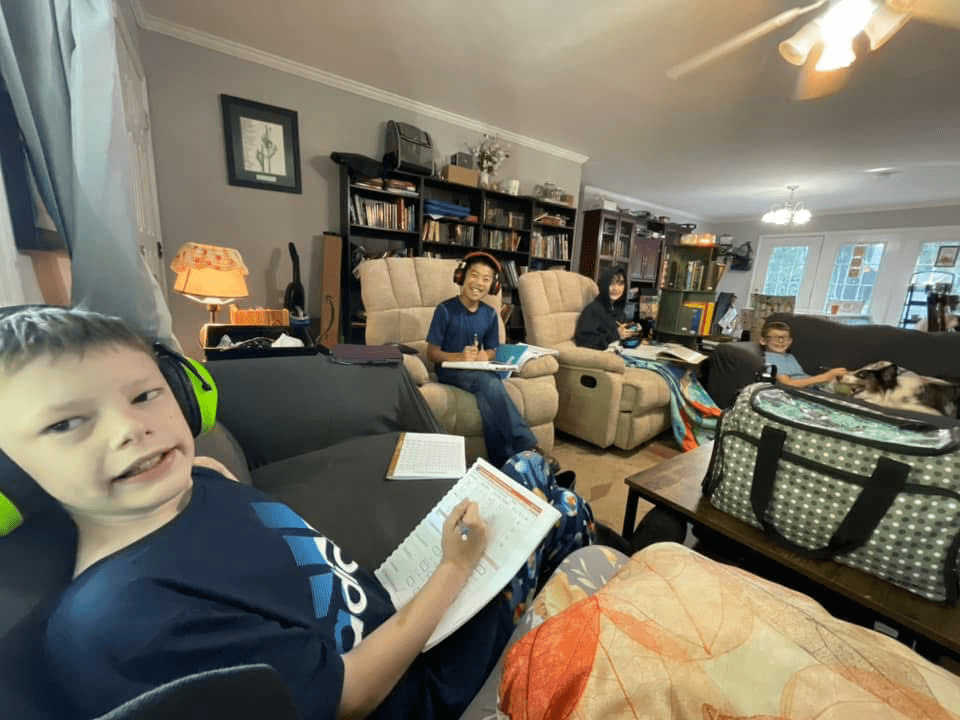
(884, 383)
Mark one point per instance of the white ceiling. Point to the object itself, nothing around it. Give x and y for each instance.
(589, 77)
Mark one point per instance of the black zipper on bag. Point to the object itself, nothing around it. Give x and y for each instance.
(861, 480)
(952, 445)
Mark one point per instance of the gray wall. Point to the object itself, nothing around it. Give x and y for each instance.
(739, 282)
(196, 203)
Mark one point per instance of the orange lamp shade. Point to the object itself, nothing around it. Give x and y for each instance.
(209, 273)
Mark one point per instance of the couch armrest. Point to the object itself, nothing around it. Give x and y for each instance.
(539, 367)
(733, 366)
(416, 368)
(280, 407)
(591, 359)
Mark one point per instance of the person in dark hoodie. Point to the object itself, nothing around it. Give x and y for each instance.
(602, 321)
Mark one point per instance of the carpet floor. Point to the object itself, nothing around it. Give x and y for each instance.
(601, 472)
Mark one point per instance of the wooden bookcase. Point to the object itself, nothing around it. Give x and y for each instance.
(509, 227)
(624, 239)
(688, 278)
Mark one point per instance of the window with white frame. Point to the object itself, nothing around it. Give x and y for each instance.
(785, 270)
(928, 257)
(854, 275)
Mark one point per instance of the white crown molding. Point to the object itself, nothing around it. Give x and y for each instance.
(245, 52)
(592, 189)
(856, 210)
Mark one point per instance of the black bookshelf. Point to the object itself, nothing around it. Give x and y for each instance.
(505, 226)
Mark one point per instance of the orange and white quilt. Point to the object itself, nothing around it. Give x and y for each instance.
(675, 635)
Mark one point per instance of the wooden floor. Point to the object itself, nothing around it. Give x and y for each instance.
(601, 472)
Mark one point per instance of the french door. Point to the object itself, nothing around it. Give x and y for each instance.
(788, 265)
(833, 276)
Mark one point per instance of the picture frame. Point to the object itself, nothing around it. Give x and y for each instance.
(262, 145)
(947, 256)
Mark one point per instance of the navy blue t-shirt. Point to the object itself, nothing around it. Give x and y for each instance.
(453, 326)
(238, 578)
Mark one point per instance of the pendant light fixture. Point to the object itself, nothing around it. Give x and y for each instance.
(789, 213)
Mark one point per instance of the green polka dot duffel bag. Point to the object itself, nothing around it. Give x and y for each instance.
(830, 477)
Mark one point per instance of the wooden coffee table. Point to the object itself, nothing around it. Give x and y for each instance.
(676, 484)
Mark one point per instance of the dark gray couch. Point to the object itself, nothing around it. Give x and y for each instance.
(820, 344)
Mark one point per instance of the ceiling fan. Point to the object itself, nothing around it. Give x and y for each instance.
(824, 48)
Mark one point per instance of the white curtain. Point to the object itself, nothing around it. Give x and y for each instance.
(11, 287)
(59, 63)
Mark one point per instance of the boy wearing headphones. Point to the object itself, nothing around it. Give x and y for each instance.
(465, 328)
(179, 569)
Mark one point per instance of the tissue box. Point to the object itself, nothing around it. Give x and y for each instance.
(212, 333)
(258, 316)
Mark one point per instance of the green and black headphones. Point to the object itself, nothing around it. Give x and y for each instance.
(192, 386)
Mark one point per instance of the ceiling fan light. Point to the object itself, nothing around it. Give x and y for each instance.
(836, 56)
(883, 25)
(782, 216)
(796, 49)
(845, 19)
(801, 216)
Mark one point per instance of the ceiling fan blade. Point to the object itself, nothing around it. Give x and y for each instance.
(813, 83)
(739, 41)
(942, 12)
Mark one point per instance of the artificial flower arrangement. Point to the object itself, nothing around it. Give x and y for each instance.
(489, 154)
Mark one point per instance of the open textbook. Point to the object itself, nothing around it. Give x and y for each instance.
(666, 351)
(509, 358)
(516, 520)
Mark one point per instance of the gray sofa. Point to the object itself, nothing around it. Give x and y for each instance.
(314, 434)
(820, 344)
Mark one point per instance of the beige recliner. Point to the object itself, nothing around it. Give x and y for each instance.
(602, 400)
(399, 296)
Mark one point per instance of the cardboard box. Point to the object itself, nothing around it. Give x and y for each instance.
(462, 176)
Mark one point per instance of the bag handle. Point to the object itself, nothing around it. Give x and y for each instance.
(887, 481)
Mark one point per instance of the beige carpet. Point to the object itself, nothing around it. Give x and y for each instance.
(600, 473)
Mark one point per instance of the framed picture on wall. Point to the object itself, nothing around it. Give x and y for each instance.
(947, 256)
(262, 143)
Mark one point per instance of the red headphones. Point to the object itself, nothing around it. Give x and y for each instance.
(459, 275)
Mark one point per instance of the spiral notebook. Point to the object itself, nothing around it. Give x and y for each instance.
(516, 520)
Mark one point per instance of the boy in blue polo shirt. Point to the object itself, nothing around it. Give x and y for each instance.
(465, 328)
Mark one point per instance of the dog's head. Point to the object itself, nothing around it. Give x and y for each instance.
(884, 383)
(876, 378)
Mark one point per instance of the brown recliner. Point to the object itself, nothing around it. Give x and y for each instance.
(399, 296)
(601, 400)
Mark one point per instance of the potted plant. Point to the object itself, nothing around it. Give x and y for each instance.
(489, 153)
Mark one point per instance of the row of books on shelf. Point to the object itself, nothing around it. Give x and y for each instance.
(696, 275)
(399, 187)
(613, 247)
(550, 246)
(696, 318)
(499, 216)
(450, 233)
(500, 240)
(511, 273)
(387, 214)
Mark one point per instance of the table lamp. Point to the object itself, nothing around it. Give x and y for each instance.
(209, 274)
